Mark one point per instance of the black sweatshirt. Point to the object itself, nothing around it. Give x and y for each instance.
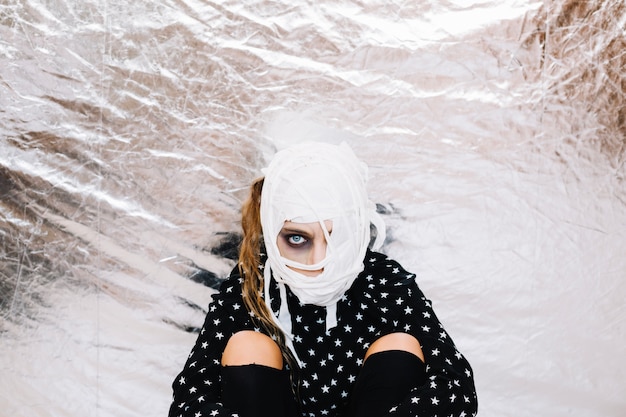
(383, 299)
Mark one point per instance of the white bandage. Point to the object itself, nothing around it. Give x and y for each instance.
(314, 182)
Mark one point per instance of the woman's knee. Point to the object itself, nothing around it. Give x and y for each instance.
(248, 347)
(396, 341)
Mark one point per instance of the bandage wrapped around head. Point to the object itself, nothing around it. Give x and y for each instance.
(314, 182)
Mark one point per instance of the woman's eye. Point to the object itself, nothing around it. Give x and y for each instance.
(296, 240)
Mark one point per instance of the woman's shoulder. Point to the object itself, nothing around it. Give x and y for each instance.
(229, 300)
(384, 288)
(231, 286)
(381, 275)
(383, 271)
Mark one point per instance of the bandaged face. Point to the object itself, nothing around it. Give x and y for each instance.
(316, 217)
(304, 243)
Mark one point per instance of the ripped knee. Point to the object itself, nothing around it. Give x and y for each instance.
(396, 341)
(248, 347)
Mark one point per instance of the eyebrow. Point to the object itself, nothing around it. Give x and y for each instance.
(302, 231)
(299, 231)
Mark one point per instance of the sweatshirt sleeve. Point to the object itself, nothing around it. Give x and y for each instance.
(196, 389)
(449, 388)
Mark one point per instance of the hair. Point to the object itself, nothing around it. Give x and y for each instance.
(249, 260)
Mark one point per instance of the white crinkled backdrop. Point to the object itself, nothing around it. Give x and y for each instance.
(130, 131)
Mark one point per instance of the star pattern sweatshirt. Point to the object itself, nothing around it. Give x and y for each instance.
(383, 299)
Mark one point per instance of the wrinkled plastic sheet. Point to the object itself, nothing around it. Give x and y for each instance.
(129, 132)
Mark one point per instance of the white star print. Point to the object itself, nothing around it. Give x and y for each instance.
(325, 384)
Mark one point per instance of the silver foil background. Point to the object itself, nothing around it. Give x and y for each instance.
(129, 132)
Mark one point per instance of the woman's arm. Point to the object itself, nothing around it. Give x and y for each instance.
(196, 390)
(449, 388)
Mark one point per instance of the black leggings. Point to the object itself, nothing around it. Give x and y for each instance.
(260, 391)
(385, 379)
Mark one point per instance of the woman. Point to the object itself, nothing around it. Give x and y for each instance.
(312, 322)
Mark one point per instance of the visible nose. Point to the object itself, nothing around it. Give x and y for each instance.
(317, 252)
